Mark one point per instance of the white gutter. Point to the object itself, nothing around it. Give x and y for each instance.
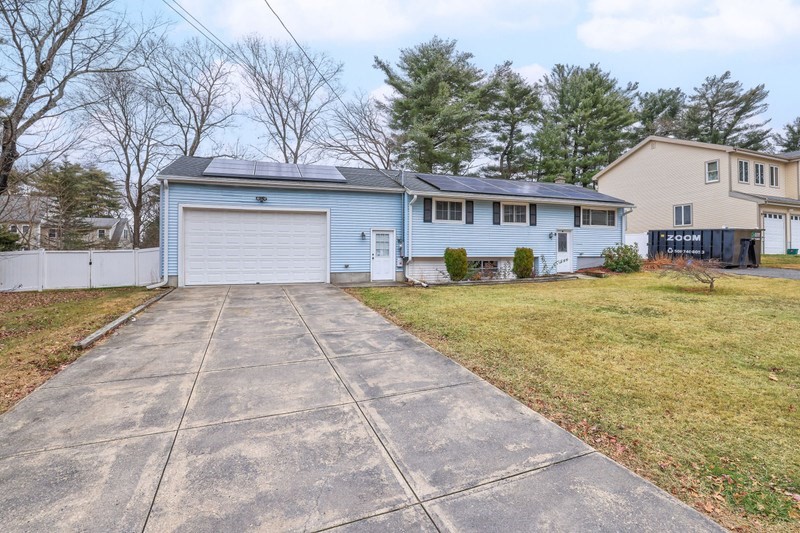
(165, 224)
(530, 199)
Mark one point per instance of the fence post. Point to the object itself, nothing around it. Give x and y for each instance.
(42, 269)
(90, 269)
(135, 267)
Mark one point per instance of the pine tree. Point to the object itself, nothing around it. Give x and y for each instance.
(659, 113)
(437, 111)
(513, 111)
(790, 140)
(73, 194)
(586, 122)
(721, 111)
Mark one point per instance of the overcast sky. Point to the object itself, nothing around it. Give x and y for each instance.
(659, 43)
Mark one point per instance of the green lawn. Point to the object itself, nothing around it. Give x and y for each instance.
(781, 261)
(697, 392)
(37, 330)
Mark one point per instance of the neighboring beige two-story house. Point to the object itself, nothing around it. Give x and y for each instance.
(677, 184)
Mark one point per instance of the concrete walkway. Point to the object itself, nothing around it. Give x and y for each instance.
(766, 272)
(296, 408)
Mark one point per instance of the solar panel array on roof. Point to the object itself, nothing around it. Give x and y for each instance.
(513, 188)
(236, 168)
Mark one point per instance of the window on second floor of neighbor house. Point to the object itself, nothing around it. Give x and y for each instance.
(125, 233)
(13, 228)
(515, 213)
(773, 176)
(598, 217)
(52, 233)
(683, 215)
(712, 171)
(101, 233)
(744, 171)
(758, 173)
(449, 211)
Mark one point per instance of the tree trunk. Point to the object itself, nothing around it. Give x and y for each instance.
(8, 154)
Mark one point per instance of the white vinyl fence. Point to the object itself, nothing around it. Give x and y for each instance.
(38, 270)
(640, 239)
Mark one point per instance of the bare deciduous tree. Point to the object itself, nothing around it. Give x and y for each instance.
(49, 46)
(289, 95)
(128, 126)
(359, 132)
(195, 85)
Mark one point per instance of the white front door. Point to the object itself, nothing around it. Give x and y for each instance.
(774, 233)
(564, 251)
(382, 255)
(795, 229)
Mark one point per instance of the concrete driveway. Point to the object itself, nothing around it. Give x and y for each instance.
(297, 408)
(766, 272)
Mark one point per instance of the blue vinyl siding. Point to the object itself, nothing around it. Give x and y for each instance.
(487, 240)
(351, 213)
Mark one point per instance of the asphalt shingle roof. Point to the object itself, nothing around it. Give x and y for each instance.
(193, 167)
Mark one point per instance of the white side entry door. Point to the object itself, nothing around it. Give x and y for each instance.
(383, 252)
(564, 251)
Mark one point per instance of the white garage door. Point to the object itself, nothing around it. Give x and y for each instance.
(795, 231)
(222, 247)
(774, 234)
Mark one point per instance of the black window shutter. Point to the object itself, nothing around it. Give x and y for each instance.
(577, 216)
(532, 217)
(427, 210)
(496, 213)
(470, 211)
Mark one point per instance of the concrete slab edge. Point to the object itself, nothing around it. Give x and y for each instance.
(89, 340)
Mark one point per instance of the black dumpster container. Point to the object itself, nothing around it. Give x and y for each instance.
(731, 247)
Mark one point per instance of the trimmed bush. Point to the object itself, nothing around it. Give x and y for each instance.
(455, 260)
(623, 258)
(523, 262)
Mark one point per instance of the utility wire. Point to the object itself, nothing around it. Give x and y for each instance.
(313, 64)
(205, 32)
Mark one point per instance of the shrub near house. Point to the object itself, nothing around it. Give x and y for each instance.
(455, 260)
(523, 262)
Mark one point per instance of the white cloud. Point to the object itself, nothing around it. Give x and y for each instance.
(532, 73)
(689, 25)
(374, 20)
(382, 92)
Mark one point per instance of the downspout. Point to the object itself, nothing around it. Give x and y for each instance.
(409, 244)
(164, 207)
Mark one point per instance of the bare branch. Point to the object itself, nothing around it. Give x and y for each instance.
(358, 132)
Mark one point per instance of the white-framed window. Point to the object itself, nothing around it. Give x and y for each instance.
(712, 171)
(515, 214)
(773, 176)
(758, 173)
(25, 229)
(448, 211)
(744, 171)
(52, 233)
(101, 233)
(683, 215)
(13, 228)
(598, 217)
(125, 233)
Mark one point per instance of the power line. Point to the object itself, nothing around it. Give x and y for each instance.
(216, 41)
(313, 64)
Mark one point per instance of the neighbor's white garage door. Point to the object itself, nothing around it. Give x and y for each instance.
(795, 231)
(236, 247)
(774, 233)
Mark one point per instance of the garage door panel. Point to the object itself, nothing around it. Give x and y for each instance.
(774, 233)
(233, 247)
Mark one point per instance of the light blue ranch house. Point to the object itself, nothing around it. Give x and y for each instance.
(226, 221)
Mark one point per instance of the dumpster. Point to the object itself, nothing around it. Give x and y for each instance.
(730, 247)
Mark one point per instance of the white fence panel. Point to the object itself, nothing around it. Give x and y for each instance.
(148, 266)
(639, 239)
(66, 270)
(113, 268)
(21, 271)
(80, 269)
